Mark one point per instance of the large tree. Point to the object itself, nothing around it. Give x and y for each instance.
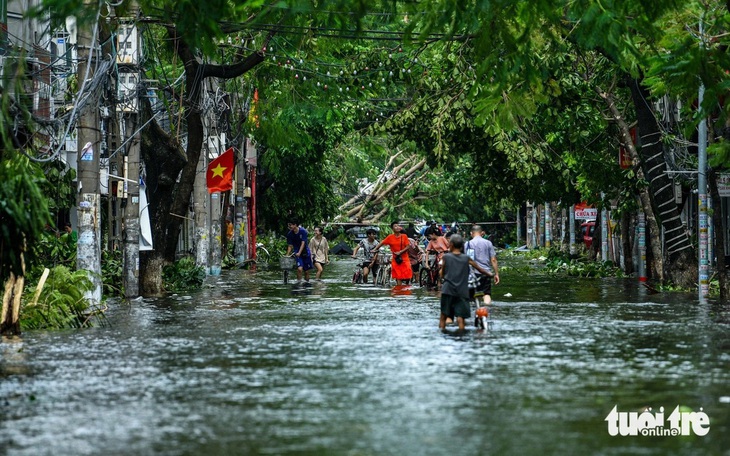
(509, 50)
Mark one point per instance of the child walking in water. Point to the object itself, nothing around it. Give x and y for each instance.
(455, 289)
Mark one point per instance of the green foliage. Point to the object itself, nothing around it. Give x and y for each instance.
(719, 154)
(61, 303)
(23, 210)
(183, 275)
(275, 244)
(560, 263)
(112, 270)
(59, 186)
(51, 250)
(299, 174)
(229, 261)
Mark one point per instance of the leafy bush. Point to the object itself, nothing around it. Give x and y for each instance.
(61, 303)
(51, 250)
(560, 263)
(183, 275)
(20, 227)
(112, 270)
(229, 261)
(275, 245)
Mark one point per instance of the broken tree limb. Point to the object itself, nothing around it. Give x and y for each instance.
(39, 288)
(359, 197)
(375, 193)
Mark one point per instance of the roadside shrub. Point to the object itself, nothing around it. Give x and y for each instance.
(112, 269)
(183, 275)
(558, 262)
(61, 304)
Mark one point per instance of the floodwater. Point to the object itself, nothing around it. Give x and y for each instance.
(252, 366)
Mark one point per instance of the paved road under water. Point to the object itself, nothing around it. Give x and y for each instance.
(251, 366)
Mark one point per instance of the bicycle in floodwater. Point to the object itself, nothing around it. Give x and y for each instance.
(482, 316)
(428, 276)
(383, 278)
(287, 263)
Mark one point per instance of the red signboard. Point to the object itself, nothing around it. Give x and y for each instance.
(583, 211)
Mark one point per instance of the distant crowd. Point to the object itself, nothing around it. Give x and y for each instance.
(465, 268)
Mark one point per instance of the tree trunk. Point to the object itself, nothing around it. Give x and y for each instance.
(597, 233)
(151, 281)
(171, 170)
(10, 316)
(719, 233)
(644, 194)
(682, 261)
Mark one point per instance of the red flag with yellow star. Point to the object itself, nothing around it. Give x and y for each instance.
(219, 177)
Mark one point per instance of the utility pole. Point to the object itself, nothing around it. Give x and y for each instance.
(131, 211)
(571, 230)
(200, 211)
(641, 230)
(702, 190)
(128, 60)
(239, 237)
(604, 232)
(548, 226)
(88, 256)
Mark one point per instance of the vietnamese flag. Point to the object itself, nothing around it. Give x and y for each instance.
(219, 177)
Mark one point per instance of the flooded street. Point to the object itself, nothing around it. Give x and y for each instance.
(252, 366)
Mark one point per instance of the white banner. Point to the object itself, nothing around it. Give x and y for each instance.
(588, 213)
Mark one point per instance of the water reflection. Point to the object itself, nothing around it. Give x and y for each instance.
(250, 365)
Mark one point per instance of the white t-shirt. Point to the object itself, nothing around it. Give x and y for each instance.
(367, 248)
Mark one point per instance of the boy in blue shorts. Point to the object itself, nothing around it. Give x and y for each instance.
(455, 289)
(297, 240)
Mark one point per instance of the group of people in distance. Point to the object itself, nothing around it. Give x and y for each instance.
(467, 269)
(459, 264)
(310, 253)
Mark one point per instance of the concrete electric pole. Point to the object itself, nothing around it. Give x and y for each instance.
(88, 255)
